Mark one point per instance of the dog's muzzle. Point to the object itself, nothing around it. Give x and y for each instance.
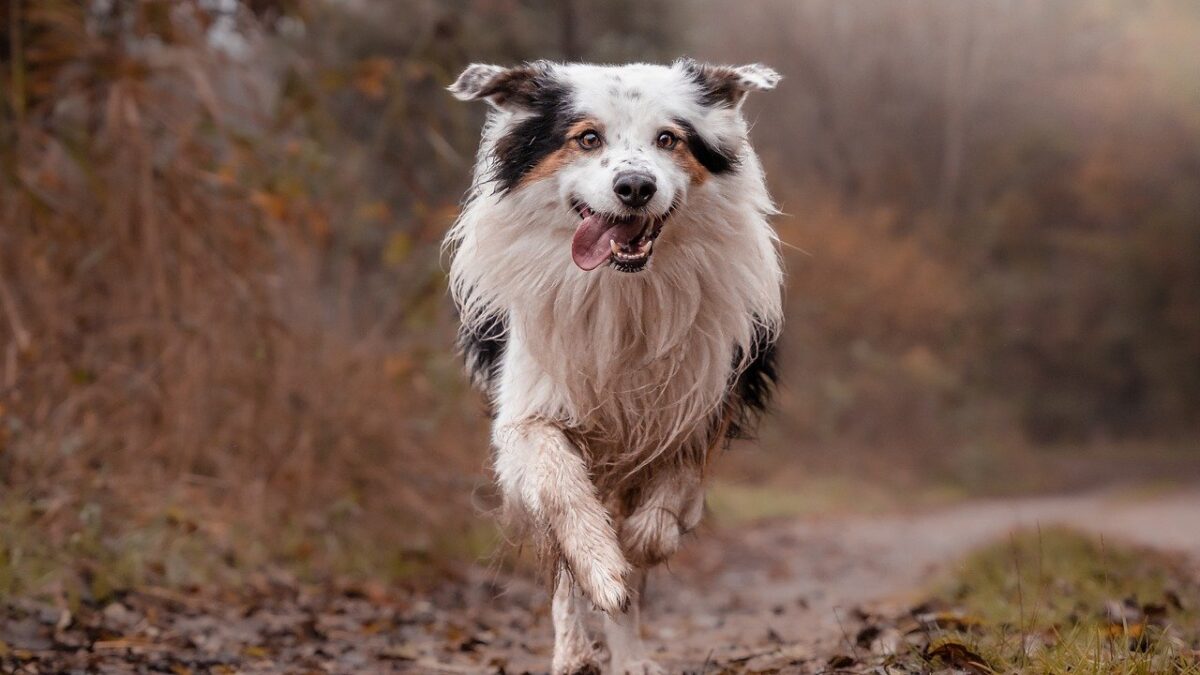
(627, 241)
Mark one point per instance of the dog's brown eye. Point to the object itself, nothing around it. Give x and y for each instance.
(667, 140)
(588, 140)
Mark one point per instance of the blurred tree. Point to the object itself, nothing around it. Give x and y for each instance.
(220, 229)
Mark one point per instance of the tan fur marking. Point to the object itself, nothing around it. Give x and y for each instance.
(563, 156)
(686, 160)
(584, 125)
(551, 164)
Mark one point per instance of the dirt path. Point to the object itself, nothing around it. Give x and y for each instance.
(732, 594)
(728, 596)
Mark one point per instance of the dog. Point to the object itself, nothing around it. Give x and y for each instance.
(619, 288)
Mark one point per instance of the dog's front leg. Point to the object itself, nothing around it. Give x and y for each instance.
(539, 468)
(623, 632)
(671, 507)
(573, 652)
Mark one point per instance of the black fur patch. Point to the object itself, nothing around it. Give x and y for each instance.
(515, 86)
(536, 136)
(482, 349)
(716, 159)
(750, 394)
(719, 86)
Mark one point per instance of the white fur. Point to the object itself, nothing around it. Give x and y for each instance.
(633, 368)
(623, 633)
(545, 475)
(573, 650)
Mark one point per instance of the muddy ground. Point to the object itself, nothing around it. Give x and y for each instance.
(783, 596)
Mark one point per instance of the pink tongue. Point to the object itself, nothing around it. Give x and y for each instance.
(590, 245)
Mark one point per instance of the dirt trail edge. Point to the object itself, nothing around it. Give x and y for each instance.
(731, 594)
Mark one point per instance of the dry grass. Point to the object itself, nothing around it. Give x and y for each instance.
(184, 339)
(1059, 602)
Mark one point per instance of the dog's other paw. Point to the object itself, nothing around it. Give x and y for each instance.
(597, 564)
(602, 580)
(637, 667)
(651, 535)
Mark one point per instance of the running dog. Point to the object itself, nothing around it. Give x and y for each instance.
(619, 288)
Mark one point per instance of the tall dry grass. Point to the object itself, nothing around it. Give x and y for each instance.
(184, 321)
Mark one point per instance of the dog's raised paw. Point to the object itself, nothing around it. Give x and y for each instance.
(605, 586)
(601, 572)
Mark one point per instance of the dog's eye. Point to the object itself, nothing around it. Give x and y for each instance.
(588, 140)
(667, 140)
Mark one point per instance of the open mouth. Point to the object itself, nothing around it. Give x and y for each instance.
(624, 241)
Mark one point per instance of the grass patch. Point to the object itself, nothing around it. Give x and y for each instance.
(731, 503)
(80, 555)
(1058, 602)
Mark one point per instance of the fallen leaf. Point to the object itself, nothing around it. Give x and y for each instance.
(255, 652)
(949, 620)
(957, 655)
(841, 661)
(272, 205)
(399, 653)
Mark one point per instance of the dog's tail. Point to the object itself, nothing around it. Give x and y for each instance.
(546, 476)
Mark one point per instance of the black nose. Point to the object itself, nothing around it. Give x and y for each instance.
(634, 189)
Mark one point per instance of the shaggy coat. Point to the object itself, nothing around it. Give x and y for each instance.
(611, 387)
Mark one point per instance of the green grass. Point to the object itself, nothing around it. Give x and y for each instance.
(82, 555)
(1037, 604)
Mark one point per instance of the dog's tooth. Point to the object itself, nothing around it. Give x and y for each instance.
(612, 244)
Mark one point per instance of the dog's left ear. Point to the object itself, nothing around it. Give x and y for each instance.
(728, 85)
(504, 88)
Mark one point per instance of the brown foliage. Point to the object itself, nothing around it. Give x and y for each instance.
(180, 316)
(220, 281)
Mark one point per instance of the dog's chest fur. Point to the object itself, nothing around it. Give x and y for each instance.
(637, 367)
(634, 369)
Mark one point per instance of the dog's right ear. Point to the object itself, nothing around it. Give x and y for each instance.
(504, 88)
(728, 85)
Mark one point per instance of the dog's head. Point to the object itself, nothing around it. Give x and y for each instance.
(615, 148)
